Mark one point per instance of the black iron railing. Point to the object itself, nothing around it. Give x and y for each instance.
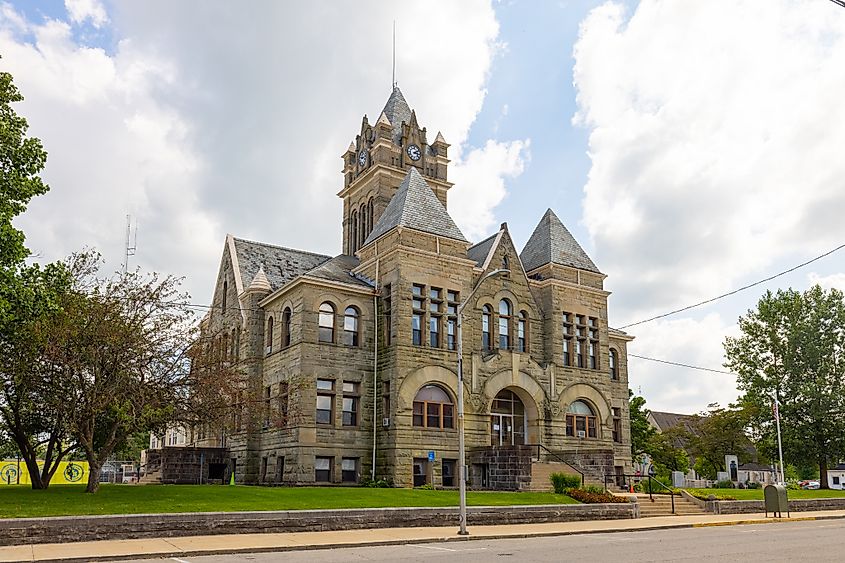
(628, 480)
(558, 458)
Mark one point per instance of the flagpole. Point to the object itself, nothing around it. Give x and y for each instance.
(780, 445)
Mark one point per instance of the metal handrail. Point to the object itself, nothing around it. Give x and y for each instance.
(640, 479)
(558, 458)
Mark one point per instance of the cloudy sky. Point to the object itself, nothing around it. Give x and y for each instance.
(691, 147)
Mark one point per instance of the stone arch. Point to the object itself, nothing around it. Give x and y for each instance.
(412, 383)
(529, 392)
(589, 394)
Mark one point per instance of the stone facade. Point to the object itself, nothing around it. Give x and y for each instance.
(356, 355)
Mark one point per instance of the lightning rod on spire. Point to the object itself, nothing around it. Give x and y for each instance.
(393, 85)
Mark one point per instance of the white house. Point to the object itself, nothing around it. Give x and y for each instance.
(836, 477)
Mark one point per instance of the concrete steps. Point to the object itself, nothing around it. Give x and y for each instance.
(541, 472)
(662, 506)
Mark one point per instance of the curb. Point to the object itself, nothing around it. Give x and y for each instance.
(443, 539)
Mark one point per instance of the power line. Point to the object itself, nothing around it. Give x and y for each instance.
(681, 365)
(735, 291)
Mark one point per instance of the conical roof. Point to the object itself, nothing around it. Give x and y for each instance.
(397, 110)
(552, 243)
(415, 206)
(260, 282)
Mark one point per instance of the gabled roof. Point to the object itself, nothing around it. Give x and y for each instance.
(397, 110)
(667, 420)
(552, 243)
(281, 265)
(481, 250)
(415, 206)
(338, 269)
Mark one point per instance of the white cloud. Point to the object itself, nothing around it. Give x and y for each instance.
(81, 10)
(480, 184)
(715, 138)
(205, 118)
(832, 281)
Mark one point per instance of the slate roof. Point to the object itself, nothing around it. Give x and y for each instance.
(397, 110)
(552, 243)
(338, 269)
(667, 420)
(281, 265)
(415, 206)
(479, 251)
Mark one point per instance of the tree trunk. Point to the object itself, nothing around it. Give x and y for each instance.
(823, 473)
(34, 473)
(94, 469)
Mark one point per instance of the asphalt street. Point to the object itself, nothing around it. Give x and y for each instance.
(815, 541)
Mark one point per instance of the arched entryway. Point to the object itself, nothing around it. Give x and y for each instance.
(508, 420)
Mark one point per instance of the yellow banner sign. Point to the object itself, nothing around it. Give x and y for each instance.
(68, 473)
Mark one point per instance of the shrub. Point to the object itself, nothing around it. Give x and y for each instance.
(753, 485)
(562, 482)
(375, 483)
(590, 497)
(726, 484)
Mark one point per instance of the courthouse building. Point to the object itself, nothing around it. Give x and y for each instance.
(354, 356)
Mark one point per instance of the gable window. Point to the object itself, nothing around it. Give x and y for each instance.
(433, 408)
(350, 326)
(486, 317)
(286, 314)
(504, 324)
(614, 373)
(326, 321)
(269, 344)
(581, 421)
(522, 332)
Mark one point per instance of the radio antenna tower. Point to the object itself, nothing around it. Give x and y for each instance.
(131, 242)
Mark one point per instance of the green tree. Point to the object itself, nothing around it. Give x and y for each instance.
(641, 431)
(793, 348)
(715, 433)
(665, 454)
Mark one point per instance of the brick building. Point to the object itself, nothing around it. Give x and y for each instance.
(356, 353)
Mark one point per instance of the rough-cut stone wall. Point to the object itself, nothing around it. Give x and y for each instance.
(181, 465)
(507, 468)
(752, 506)
(18, 531)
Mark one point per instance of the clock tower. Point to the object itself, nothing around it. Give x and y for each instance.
(377, 161)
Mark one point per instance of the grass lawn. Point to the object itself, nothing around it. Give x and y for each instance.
(62, 500)
(757, 494)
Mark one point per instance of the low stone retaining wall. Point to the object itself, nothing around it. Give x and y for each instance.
(16, 531)
(750, 506)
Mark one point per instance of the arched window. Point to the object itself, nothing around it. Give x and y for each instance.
(581, 421)
(363, 231)
(486, 318)
(225, 294)
(353, 233)
(433, 408)
(286, 314)
(504, 324)
(268, 347)
(370, 215)
(522, 332)
(350, 326)
(614, 371)
(326, 322)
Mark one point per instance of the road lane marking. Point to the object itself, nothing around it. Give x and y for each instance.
(179, 560)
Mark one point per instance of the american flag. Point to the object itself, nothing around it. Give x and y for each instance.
(775, 410)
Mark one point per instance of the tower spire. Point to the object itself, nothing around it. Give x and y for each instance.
(393, 79)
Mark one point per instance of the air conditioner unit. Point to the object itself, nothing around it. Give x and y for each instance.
(385, 421)
(582, 434)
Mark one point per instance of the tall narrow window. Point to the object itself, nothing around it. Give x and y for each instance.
(268, 347)
(267, 395)
(504, 324)
(363, 232)
(283, 404)
(325, 401)
(286, 314)
(617, 425)
(593, 333)
(353, 239)
(614, 373)
(486, 318)
(418, 305)
(387, 314)
(326, 322)
(349, 416)
(350, 326)
(416, 329)
(522, 332)
(370, 216)
(435, 309)
(451, 330)
(225, 294)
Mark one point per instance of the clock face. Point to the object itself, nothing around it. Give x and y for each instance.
(362, 158)
(414, 152)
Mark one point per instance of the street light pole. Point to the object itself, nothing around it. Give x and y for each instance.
(461, 445)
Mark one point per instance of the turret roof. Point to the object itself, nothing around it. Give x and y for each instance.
(552, 243)
(397, 110)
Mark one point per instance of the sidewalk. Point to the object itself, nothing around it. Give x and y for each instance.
(247, 543)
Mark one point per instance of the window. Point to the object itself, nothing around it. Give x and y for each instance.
(567, 339)
(504, 324)
(486, 316)
(349, 469)
(267, 393)
(349, 416)
(617, 425)
(580, 421)
(385, 399)
(323, 469)
(326, 322)
(325, 401)
(522, 332)
(452, 319)
(433, 408)
(286, 314)
(269, 345)
(579, 353)
(593, 332)
(451, 331)
(417, 318)
(592, 352)
(283, 404)
(434, 331)
(225, 292)
(350, 326)
(614, 373)
(370, 216)
(420, 471)
(448, 472)
(416, 329)
(353, 238)
(387, 312)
